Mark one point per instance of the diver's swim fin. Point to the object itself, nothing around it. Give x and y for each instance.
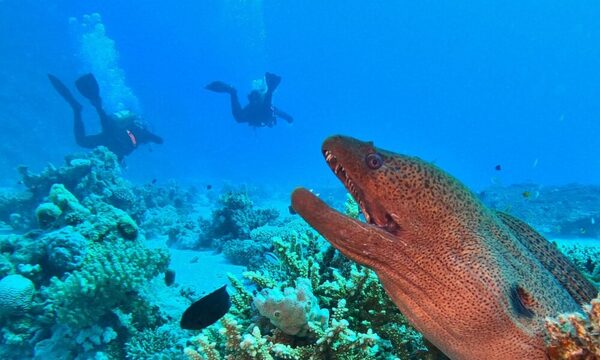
(220, 87)
(88, 87)
(272, 80)
(64, 92)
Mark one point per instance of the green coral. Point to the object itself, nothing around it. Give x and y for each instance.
(108, 223)
(109, 274)
(65, 200)
(47, 214)
(351, 208)
(154, 344)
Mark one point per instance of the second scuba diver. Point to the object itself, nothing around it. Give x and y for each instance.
(260, 111)
(121, 133)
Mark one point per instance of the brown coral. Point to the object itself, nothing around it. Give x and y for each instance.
(575, 336)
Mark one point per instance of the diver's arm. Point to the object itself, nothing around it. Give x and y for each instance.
(285, 116)
(145, 136)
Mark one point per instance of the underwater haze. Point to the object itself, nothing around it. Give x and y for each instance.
(103, 248)
(466, 85)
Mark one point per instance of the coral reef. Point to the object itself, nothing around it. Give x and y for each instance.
(557, 211)
(107, 278)
(292, 309)
(585, 258)
(235, 218)
(65, 249)
(16, 294)
(88, 261)
(155, 344)
(288, 317)
(575, 336)
(47, 214)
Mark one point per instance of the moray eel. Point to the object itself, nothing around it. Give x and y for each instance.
(477, 283)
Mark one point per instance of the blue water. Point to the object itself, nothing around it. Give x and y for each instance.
(465, 85)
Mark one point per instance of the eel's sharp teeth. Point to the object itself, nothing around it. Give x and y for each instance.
(328, 156)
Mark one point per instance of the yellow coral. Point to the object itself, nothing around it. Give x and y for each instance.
(192, 354)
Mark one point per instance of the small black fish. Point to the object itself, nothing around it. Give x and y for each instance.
(206, 311)
(292, 211)
(208, 187)
(169, 277)
(498, 167)
(154, 181)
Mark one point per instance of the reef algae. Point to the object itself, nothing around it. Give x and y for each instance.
(478, 284)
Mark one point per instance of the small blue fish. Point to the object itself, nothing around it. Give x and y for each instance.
(272, 258)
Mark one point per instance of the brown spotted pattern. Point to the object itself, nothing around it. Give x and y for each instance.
(451, 265)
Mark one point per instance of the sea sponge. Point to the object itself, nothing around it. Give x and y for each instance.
(16, 293)
(47, 214)
(291, 310)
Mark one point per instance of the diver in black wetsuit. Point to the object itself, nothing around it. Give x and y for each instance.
(260, 111)
(120, 137)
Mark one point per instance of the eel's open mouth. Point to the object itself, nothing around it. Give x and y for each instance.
(379, 218)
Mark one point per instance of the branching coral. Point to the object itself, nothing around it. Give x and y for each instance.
(154, 344)
(107, 277)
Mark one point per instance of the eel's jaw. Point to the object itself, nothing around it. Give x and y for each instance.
(374, 213)
(364, 243)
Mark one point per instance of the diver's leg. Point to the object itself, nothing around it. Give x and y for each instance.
(105, 121)
(272, 83)
(236, 108)
(79, 129)
(64, 92)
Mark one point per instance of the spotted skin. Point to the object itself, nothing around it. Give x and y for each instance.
(452, 266)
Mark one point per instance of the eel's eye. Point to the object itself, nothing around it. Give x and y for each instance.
(374, 161)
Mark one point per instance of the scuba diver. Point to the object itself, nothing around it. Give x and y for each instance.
(260, 111)
(121, 132)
